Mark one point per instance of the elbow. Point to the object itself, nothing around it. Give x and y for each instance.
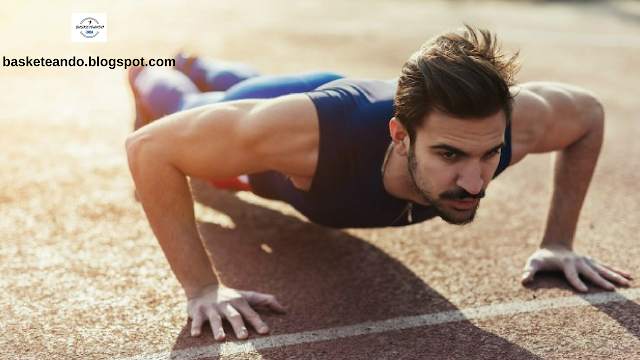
(130, 145)
(595, 117)
(597, 111)
(139, 147)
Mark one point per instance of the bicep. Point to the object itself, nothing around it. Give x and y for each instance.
(230, 139)
(549, 117)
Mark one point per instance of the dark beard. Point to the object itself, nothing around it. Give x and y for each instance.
(456, 194)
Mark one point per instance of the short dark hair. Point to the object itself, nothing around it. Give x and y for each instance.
(462, 73)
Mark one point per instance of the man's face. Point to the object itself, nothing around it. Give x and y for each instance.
(452, 161)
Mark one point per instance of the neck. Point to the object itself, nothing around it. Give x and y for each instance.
(397, 179)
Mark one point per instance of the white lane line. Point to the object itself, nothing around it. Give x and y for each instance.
(519, 307)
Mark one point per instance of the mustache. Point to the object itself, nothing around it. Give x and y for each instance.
(460, 194)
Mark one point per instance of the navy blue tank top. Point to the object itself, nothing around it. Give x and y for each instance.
(347, 189)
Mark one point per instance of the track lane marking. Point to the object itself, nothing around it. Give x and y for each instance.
(519, 307)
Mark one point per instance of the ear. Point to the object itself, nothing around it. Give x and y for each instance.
(399, 136)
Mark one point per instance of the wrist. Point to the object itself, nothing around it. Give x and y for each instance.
(556, 243)
(195, 291)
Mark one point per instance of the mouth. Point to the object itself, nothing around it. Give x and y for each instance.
(464, 204)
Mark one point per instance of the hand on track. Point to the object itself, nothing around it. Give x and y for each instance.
(574, 265)
(218, 302)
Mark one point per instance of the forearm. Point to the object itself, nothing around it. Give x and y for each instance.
(166, 198)
(573, 170)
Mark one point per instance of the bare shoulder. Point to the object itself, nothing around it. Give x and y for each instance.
(285, 133)
(239, 137)
(547, 116)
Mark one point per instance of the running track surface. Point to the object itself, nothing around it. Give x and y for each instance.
(83, 277)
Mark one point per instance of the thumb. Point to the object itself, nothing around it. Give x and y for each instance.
(258, 299)
(528, 273)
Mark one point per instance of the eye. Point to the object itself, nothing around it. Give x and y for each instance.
(449, 155)
(493, 153)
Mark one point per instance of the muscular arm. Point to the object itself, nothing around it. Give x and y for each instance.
(221, 140)
(568, 120)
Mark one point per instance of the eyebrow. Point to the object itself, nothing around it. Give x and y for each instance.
(462, 153)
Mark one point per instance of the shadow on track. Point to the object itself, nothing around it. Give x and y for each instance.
(329, 278)
(624, 311)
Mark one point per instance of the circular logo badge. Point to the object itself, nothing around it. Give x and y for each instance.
(89, 27)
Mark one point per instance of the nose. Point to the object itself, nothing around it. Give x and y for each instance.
(470, 178)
